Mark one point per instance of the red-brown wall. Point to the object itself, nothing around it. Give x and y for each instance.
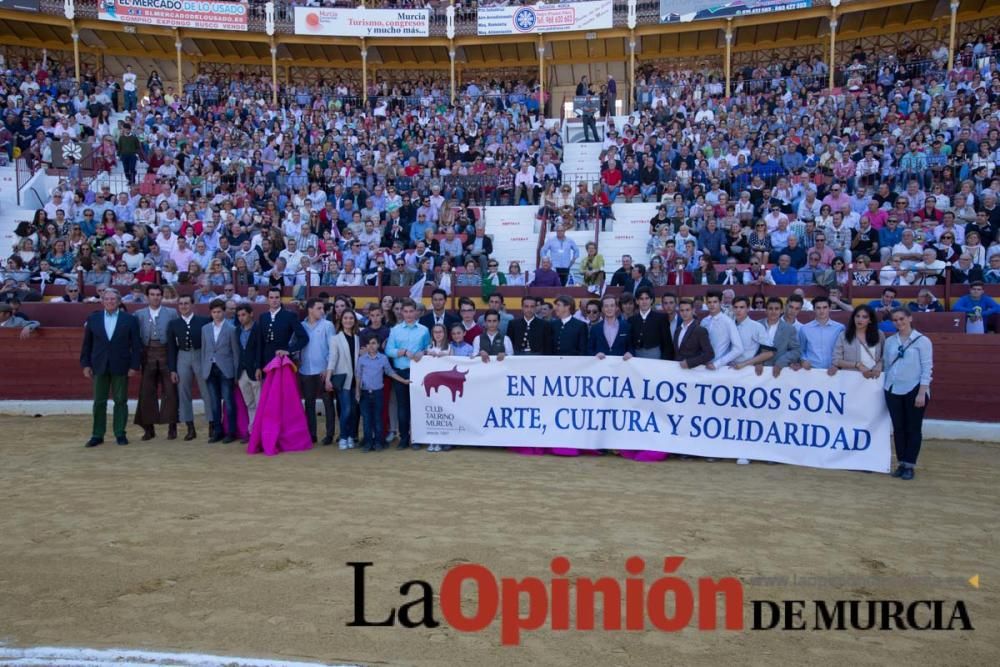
(47, 366)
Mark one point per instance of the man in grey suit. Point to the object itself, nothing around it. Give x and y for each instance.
(157, 394)
(781, 337)
(220, 356)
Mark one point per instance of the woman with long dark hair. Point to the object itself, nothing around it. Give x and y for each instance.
(859, 346)
(909, 366)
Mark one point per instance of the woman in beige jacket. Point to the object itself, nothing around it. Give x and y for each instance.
(859, 346)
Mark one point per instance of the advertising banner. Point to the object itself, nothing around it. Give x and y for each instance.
(528, 19)
(203, 14)
(801, 417)
(20, 5)
(338, 22)
(682, 11)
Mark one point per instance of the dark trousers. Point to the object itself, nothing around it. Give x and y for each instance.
(220, 392)
(590, 124)
(371, 412)
(403, 406)
(313, 388)
(128, 164)
(157, 394)
(907, 425)
(117, 386)
(563, 275)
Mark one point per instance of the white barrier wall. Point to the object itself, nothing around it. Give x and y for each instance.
(628, 234)
(514, 233)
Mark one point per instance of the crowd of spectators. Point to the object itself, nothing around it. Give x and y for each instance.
(893, 182)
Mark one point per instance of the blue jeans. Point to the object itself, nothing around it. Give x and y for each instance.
(403, 406)
(346, 402)
(220, 391)
(371, 412)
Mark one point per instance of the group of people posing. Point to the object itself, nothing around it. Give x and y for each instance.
(358, 366)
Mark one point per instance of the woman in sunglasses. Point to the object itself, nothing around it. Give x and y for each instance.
(908, 364)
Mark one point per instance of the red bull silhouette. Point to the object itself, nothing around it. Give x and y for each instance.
(452, 380)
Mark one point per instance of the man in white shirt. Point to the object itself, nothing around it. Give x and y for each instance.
(722, 332)
(930, 270)
(492, 342)
(754, 338)
(128, 85)
(291, 254)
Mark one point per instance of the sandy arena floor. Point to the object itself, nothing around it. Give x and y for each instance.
(186, 546)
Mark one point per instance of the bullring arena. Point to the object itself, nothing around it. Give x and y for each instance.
(179, 548)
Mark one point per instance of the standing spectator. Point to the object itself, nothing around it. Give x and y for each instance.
(563, 252)
(859, 346)
(110, 355)
(407, 342)
(722, 332)
(281, 332)
(157, 393)
(781, 337)
(691, 342)
(220, 353)
(909, 366)
(371, 368)
(649, 333)
(611, 335)
(819, 337)
(530, 335)
(248, 373)
(316, 363)
(569, 335)
(183, 355)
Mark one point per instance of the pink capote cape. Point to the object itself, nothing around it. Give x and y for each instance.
(242, 415)
(280, 423)
(643, 455)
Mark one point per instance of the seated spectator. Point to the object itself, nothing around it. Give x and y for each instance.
(925, 302)
(978, 308)
(8, 320)
(784, 273)
(930, 270)
(545, 275)
(964, 271)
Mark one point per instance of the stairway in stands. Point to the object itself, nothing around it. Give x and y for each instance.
(581, 162)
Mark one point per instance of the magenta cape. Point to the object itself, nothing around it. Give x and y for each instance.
(242, 415)
(644, 455)
(280, 423)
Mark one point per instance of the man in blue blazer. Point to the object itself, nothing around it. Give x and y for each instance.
(612, 334)
(281, 332)
(569, 335)
(111, 354)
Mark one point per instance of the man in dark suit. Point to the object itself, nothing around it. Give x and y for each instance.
(639, 279)
(281, 331)
(184, 360)
(611, 327)
(528, 334)
(157, 393)
(438, 314)
(479, 248)
(623, 276)
(248, 373)
(569, 335)
(220, 355)
(110, 355)
(691, 344)
(649, 329)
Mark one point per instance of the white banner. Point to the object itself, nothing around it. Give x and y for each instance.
(201, 14)
(802, 417)
(515, 235)
(360, 22)
(526, 19)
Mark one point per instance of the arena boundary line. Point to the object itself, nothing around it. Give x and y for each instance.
(51, 656)
(934, 429)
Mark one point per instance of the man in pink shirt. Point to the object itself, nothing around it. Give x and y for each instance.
(837, 198)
